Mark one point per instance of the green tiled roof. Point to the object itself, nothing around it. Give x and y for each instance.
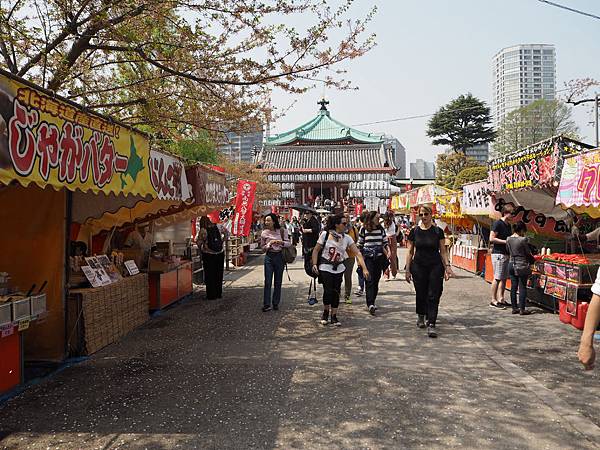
(323, 128)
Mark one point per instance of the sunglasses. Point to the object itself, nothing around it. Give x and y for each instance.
(423, 214)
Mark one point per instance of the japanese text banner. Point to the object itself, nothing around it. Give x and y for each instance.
(242, 220)
(580, 181)
(475, 200)
(53, 143)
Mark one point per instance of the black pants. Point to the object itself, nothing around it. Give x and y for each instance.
(332, 284)
(372, 284)
(520, 282)
(213, 274)
(429, 284)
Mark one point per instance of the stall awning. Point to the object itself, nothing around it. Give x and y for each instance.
(579, 187)
(51, 142)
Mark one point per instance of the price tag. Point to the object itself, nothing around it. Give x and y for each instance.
(7, 330)
(23, 325)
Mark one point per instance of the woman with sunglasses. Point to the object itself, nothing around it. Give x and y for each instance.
(329, 264)
(427, 266)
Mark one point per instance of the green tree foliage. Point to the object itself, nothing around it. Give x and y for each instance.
(178, 66)
(462, 123)
(198, 149)
(535, 122)
(469, 175)
(449, 166)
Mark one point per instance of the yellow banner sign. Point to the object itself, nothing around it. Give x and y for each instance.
(51, 142)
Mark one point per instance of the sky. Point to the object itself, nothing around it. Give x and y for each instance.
(431, 51)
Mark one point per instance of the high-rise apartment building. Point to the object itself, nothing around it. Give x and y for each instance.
(241, 147)
(422, 170)
(479, 153)
(522, 74)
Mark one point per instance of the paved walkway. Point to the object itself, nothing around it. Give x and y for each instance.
(222, 374)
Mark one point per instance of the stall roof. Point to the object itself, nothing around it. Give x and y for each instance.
(52, 142)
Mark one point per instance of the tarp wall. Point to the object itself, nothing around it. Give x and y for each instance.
(32, 221)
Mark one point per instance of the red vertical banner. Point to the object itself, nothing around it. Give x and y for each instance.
(242, 220)
(358, 209)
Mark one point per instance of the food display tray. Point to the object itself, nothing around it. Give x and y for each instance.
(5, 313)
(21, 309)
(38, 305)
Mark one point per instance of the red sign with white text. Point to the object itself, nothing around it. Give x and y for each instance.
(242, 220)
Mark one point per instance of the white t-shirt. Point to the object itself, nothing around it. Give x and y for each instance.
(334, 250)
(391, 230)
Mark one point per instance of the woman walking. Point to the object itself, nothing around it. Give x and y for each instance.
(336, 247)
(373, 244)
(519, 267)
(272, 241)
(427, 266)
(210, 243)
(389, 225)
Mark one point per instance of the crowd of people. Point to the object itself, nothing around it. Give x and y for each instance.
(332, 248)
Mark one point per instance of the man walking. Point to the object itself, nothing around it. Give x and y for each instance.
(498, 235)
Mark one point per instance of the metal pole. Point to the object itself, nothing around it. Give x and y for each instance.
(596, 120)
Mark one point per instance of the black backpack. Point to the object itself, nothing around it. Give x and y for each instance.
(214, 242)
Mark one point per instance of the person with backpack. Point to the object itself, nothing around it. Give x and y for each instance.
(374, 246)
(210, 243)
(519, 267)
(333, 247)
(273, 240)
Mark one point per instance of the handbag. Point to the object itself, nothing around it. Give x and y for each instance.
(289, 253)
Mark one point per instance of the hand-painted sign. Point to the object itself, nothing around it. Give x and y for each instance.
(208, 186)
(54, 143)
(475, 200)
(243, 208)
(536, 166)
(580, 181)
(168, 178)
(536, 222)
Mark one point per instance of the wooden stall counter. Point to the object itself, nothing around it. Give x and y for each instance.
(97, 317)
(170, 286)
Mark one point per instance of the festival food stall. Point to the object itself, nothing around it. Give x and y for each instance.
(529, 180)
(470, 250)
(569, 277)
(56, 160)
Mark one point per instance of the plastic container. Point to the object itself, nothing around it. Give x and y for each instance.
(562, 312)
(579, 320)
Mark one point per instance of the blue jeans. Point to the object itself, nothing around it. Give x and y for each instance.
(519, 281)
(361, 278)
(274, 266)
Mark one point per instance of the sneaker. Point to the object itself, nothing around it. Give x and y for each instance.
(335, 321)
(497, 305)
(524, 312)
(325, 318)
(372, 310)
(504, 303)
(421, 321)
(275, 307)
(266, 308)
(348, 299)
(515, 311)
(312, 301)
(360, 292)
(431, 331)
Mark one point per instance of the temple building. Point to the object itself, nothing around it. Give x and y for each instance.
(324, 159)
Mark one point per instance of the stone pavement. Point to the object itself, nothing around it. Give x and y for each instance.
(222, 374)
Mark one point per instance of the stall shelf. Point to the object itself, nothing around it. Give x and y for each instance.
(471, 259)
(167, 287)
(97, 317)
